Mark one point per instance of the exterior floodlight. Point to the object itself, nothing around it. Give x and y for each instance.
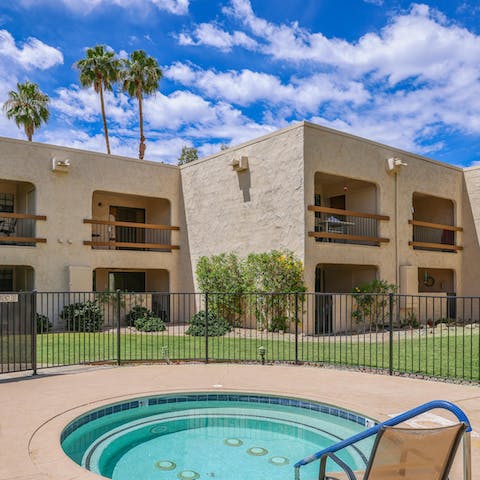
(393, 164)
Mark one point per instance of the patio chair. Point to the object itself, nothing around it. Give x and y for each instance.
(7, 226)
(406, 454)
(403, 453)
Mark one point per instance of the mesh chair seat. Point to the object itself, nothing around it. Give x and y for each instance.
(407, 454)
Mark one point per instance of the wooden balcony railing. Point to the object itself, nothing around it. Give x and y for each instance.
(434, 236)
(109, 235)
(346, 226)
(19, 229)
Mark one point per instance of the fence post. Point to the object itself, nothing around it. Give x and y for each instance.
(33, 315)
(206, 327)
(296, 328)
(119, 355)
(390, 333)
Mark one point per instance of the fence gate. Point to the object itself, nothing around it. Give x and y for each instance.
(17, 348)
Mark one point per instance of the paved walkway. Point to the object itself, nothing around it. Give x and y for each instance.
(34, 410)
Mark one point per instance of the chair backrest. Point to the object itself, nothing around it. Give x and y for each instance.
(8, 225)
(414, 454)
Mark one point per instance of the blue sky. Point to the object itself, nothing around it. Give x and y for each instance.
(401, 73)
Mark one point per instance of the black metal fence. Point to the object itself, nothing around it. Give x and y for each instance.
(427, 335)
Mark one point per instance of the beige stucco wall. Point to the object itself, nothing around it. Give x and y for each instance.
(253, 211)
(336, 153)
(66, 199)
(221, 210)
(471, 234)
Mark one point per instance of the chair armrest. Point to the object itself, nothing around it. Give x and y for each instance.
(339, 462)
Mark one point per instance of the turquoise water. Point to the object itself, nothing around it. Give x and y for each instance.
(223, 440)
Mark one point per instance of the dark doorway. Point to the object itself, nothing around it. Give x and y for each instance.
(126, 234)
(337, 202)
(127, 281)
(323, 305)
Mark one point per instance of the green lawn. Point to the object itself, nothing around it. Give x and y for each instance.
(446, 356)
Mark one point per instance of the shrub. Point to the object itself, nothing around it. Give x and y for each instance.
(371, 301)
(83, 316)
(227, 278)
(223, 276)
(149, 324)
(410, 320)
(274, 271)
(44, 324)
(217, 326)
(137, 311)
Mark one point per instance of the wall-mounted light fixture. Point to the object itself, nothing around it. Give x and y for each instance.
(393, 164)
(239, 165)
(60, 165)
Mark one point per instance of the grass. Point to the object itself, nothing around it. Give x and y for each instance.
(446, 356)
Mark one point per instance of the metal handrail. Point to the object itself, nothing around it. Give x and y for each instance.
(409, 414)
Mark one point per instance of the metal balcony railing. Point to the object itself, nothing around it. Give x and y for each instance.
(19, 229)
(109, 235)
(434, 236)
(345, 226)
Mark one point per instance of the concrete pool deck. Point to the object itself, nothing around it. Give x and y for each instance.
(34, 410)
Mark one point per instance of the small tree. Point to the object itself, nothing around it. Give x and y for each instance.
(371, 302)
(222, 276)
(189, 154)
(275, 271)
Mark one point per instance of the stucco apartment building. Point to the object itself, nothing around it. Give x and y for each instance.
(350, 208)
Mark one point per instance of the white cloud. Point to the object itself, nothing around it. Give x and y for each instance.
(84, 104)
(176, 7)
(302, 94)
(165, 148)
(419, 43)
(176, 110)
(15, 60)
(190, 115)
(211, 35)
(405, 84)
(378, 3)
(31, 54)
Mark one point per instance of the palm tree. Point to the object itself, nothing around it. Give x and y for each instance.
(28, 106)
(141, 76)
(99, 69)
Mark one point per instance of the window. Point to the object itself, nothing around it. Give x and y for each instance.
(127, 281)
(6, 202)
(6, 280)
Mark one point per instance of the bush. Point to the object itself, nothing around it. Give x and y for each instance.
(149, 324)
(83, 316)
(275, 271)
(227, 278)
(223, 276)
(44, 325)
(371, 301)
(217, 326)
(410, 321)
(145, 320)
(137, 311)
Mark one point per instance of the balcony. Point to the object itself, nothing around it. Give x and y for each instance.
(346, 226)
(434, 236)
(19, 229)
(434, 224)
(113, 235)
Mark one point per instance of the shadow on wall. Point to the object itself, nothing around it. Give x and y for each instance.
(244, 183)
